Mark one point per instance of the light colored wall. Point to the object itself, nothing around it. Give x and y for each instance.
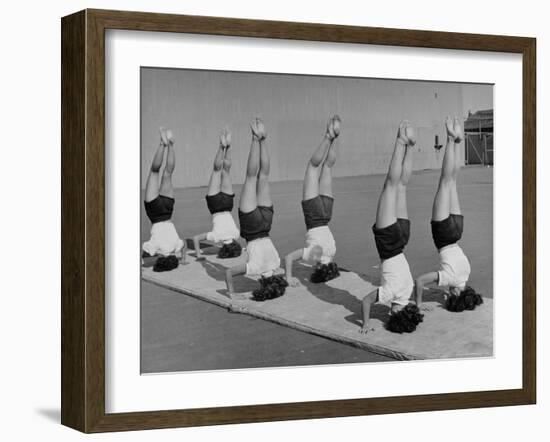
(196, 104)
(476, 97)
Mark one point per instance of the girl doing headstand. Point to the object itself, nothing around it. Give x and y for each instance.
(219, 200)
(317, 203)
(159, 206)
(391, 235)
(447, 226)
(256, 217)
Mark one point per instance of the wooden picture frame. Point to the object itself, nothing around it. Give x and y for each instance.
(83, 220)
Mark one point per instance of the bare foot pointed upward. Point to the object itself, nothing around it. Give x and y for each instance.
(410, 133)
(258, 129)
(459, 133)
(449, 126)
(406, 134)
(170, 136)
(401, 137)
(163, 136)
(333, 127)
(225, 138)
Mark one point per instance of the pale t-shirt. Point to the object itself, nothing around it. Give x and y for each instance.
(263, 257)
(396, 281)
(224, 229)
(164, 240)
(455, 267)
(320, 236)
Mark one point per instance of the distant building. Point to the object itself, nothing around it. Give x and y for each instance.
(478, 129)
(480, 121)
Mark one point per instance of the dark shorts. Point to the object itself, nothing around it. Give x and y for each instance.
(391, 240)
(317, 211)
(256, 224)
(447, 231)
(221, 202)
(160, 209)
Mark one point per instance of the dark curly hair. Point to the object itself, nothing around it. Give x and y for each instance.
(270, 288)
(231, 250)
(405, 320)
(165, 263)
(467, 300)
(324, 272)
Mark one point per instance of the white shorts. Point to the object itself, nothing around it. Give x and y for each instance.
(396, 281)
(455, 267)
(164, 240)
(263, 257)
(224, 229)
(320, 236)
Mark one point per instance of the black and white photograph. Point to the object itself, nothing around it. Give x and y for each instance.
(297, 220)
(242, 221)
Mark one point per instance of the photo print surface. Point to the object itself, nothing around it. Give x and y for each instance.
(294, 220)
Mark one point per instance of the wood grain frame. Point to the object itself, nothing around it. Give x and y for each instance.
(83, 220)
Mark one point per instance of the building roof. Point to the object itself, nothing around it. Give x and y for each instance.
(479, 121)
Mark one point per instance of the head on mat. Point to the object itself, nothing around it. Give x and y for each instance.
(159, 206)
(165, 263)
(447, 224)
(230, 250)
(324, 272)
(317, 206)
(271, 287)
(460, 300)
(405, 319)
